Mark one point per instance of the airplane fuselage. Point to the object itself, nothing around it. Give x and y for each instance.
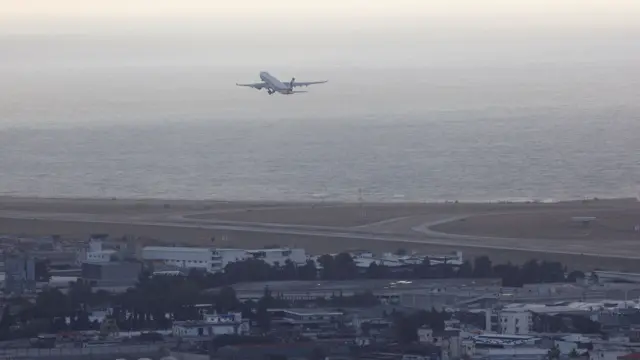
(275, 85)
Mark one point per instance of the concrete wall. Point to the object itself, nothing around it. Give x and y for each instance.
(95, 353)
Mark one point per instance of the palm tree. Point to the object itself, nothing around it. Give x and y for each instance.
(553, 353)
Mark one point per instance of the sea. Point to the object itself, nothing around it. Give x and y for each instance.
(526, 131)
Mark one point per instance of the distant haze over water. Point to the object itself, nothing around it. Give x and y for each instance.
(445, 127)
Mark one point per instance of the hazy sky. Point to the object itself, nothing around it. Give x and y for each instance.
(93, 15)
(71, 59)
(315, 32)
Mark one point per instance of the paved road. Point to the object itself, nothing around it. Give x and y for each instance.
(567, 247)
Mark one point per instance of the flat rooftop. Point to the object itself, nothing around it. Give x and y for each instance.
(310, 311)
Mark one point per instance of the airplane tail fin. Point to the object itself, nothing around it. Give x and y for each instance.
(293, 81)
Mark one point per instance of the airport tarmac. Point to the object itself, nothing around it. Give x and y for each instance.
(327, 227)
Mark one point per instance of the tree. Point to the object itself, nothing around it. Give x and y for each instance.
(262, 315)
(52, 303)
(318, 354)
(289, 271)
(551, 272)
(574, 353)
(345, 267)
(509, 273)
(6, 322)
(424, 269)
(375, 271)
(80, 294)
(445, 269)
(249, 270)
(574, 276)
(554, 353)
(41, 270)
(327, 263)
(80, 321)
(401, 252)
(482, 267)
(531, 272)
(226, 300)
(433, 319)
(405, 329)
(465, 270)
(308, 271)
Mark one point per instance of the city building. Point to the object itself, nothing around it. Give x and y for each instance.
(212, 325)
(20, 273)
(183, 257)
(387, 291)
(94, 252)
(573, 343)
(117, 273)
(616, 276)
(279, 256)
(515, 321)
(449, 342)
(363, 259)
(215, 260)
(309, 318)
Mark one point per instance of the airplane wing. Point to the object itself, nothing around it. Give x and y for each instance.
(298, 83)
(258, 86)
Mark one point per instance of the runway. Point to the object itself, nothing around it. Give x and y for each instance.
(323, 228)
(423, 236)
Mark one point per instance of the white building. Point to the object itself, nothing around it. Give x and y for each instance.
(182, 257)
(515, 321)
(574, 342)
(280, 256)
(467, 348)
(449, 342)
(363, 259)
(94, 253)
(212, 325)
(425, 335)
(215, 260)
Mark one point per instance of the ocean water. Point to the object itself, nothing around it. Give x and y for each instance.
(532, 131)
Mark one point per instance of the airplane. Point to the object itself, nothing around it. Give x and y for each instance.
(274, 85)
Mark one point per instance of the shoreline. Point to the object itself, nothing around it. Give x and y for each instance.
(515, 201)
